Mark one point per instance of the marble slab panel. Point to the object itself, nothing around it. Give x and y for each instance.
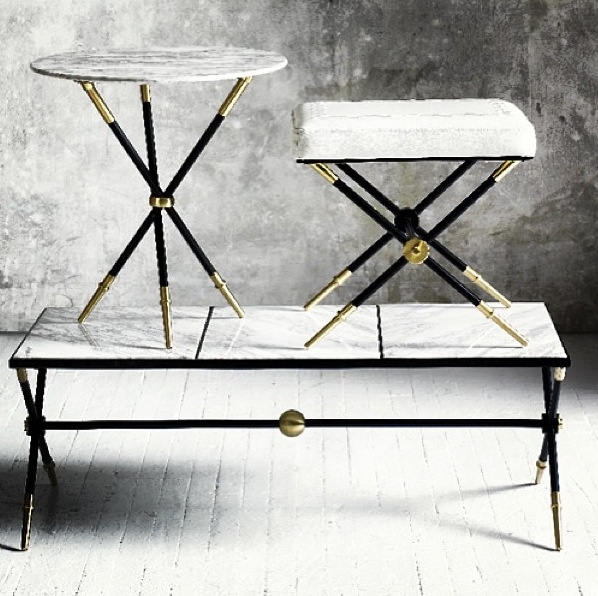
(460, 331)
(164, 65)
(280, 332)
(215, 337)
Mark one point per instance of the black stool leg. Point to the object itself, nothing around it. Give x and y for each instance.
(36, 431)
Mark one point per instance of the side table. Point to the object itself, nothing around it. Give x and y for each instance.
(163, 65)
(376, 337)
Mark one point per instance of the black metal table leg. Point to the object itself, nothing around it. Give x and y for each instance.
(553, 423)
(542, 461)
(161, 199)
(37, 443)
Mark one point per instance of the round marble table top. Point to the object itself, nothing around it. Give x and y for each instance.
(163, 65)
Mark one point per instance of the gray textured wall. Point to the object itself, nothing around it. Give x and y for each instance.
(274, 229)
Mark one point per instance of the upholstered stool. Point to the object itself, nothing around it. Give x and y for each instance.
(466, 130)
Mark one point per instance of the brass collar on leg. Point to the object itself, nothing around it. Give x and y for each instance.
(556, 519)
(233, 96)
(161, 202)
(98, 102)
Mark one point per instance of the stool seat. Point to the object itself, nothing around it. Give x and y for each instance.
(397, 130)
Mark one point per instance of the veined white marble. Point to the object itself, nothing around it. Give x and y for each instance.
(411, 129)
(163, 65)
(409, 332)
(461, 331)
(280, 332)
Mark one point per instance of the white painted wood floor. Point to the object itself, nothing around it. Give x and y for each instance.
(368, 512)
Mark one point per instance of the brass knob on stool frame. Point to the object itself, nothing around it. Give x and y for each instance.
(291, 423)
(416, 251)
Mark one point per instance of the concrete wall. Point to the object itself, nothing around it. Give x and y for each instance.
(274, 229)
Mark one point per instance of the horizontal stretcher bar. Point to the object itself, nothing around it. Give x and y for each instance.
(315, 423)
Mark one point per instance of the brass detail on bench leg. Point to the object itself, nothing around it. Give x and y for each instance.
(291, 423)
(98, 102)
(416, 251)
(50, 469)
(161, 202)
(559, 374)
(166, 315)
(540, 467)
(22, 375)
(337, 280)
(325, 171)
(146, 96)
(26, 529)
(233, 96)
(489, 313)
(504, 169)
(103, 287)
(477, 279)
(556, 519)
(340, 316)
(221, 285)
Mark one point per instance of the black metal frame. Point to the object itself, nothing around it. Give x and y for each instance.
(36, 426)
(162, 200)
(405, 227)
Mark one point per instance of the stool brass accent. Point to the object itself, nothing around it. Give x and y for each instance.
(337, 280)
(161, 202)
(166, 315)
(103, 287)
(477, 279)
(291, 423)
(504, 169)
(540, 467)
(341, 316)
(416, 251)
(146, 95)
(559, 374)
(26, 529)
(556, 519)
(220, 284)
(489, 313)
(325, 171)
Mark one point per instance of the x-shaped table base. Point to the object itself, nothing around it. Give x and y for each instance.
(415, 240)
(161, 200)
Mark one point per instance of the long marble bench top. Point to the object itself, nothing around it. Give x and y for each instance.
(399, 335)
(163, 65)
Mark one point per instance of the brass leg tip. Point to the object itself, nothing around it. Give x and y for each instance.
(26, 530)
(340, 316)
(166, 315)
(556, 519)
(220, 284)
(337, 280)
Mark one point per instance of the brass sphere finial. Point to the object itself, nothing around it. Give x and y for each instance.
(291, 423)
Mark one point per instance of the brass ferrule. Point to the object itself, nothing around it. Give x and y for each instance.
(490, 314)
(416, 251)
(325, 171)
(340, 316)
(98, 102)
(504, 169)
(146, 96)
(291, 423)
(22, 375)
(477, 279)
(540, 467)
(27, 427)
(166, 315)
(233, 96)
(27, 513)
(103, 287)
(337, 280)
(556, 518)
(559, 374)
(161, 202)
(220, 284)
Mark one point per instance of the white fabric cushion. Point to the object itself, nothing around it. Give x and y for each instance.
(411, 129)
